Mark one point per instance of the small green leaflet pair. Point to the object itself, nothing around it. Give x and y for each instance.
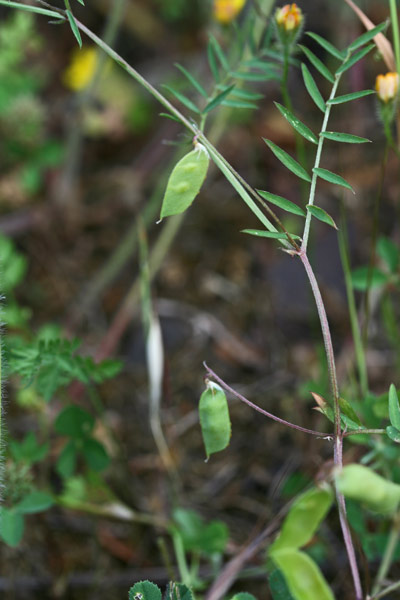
(146, 590)
(295, 575)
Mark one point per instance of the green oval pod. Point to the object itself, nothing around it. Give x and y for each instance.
(303, 519)
(363, 484)
(214, 419)
(303, 576)
(185, 182)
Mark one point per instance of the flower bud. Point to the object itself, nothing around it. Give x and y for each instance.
(226, 11)
(387, 87)
(289, 17)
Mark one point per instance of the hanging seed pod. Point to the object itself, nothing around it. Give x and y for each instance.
(214, 419)
(185, 181)
(363, 484)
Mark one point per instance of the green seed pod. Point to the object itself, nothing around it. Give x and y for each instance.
(185, 181)
(303, 519)
(302, 575)
(214, 419)
(363, 484)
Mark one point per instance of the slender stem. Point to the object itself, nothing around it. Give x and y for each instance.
(387, 558)
(386, 591)
(316, 164)
(364, 431)
(34, 9)
(395, 28)
(224, 385)
(355, 326)
(338, 438)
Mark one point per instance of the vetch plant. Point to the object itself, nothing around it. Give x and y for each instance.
(293, 570)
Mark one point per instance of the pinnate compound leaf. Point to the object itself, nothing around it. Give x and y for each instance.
(347, 138)
(74, 27)
(332, 178)
(318, 64)
(394, 409)
(212, 61)
(365, 277)
(303, 519)
(321, 214)
(297, 124)
(185, 182)
(214, 419)
(393, 434)
(289, 162)
(350, 97)
(145, 590)
(303, 576)
(312, 88)
(196, 84)
(282, 203)
(354, 59)
(35, 502)
(11, 526)
(327, 45)
(367, 36)
(275, 235)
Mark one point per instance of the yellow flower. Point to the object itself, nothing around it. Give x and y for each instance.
(81, 69)
(227, 10)
(387, 86)
(289, 17)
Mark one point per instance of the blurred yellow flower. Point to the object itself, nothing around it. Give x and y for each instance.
(81, 69)
(387, 86)
(227, 10)
(289, 17)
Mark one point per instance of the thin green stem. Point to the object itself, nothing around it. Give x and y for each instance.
(355, 326)
(316, 164)
(338, 438)
(183, 567)
(386, 591)
(388, 555)
(34, 9)
(396, 35)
